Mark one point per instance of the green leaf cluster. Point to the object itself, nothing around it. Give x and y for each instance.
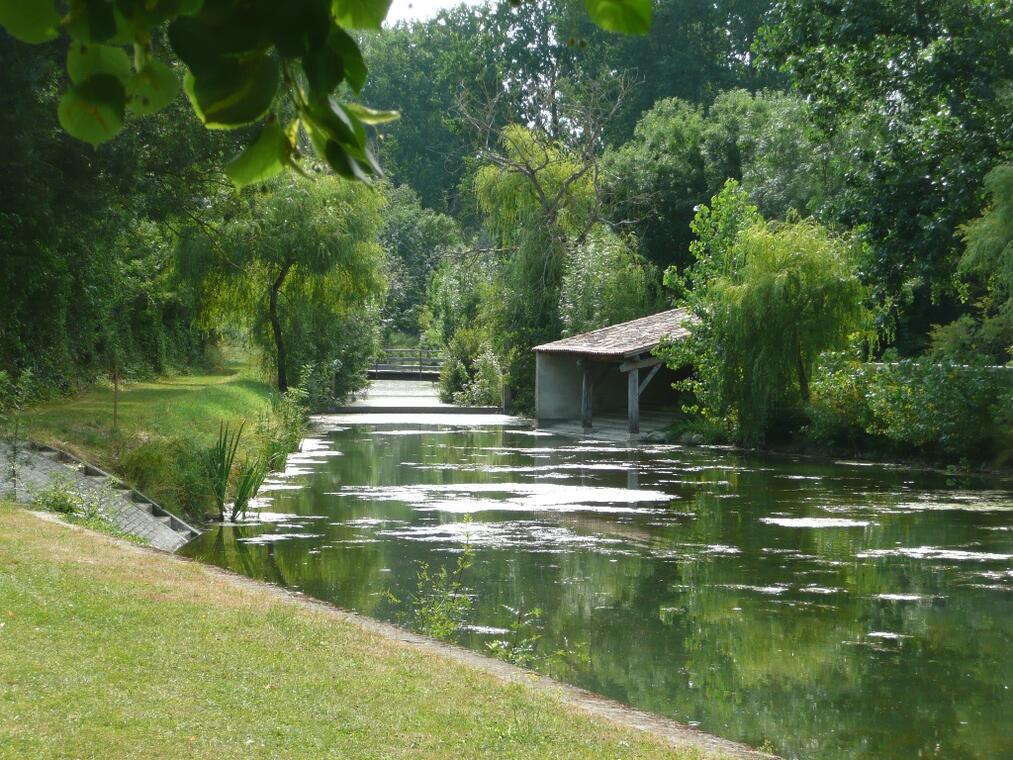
(628, 16)
(769, 299)
(243, 60)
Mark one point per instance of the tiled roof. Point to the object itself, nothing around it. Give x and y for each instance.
(625, 339)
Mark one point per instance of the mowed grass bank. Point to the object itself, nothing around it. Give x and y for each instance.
(174, 406)
(163, 426)
(108, 650)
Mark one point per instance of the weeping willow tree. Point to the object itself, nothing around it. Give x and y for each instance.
(793, 295)
(606, 281)
(537, 199)
(297, 265)
(987, 263)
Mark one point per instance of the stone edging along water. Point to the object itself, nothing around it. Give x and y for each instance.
(673, 733)
(125, 507)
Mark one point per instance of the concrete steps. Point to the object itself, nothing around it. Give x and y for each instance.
(131, 510)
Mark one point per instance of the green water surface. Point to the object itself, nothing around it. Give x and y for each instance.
(825, 610)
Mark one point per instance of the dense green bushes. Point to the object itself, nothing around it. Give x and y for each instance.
(329, 353)
(940, 411)
(169, 470)
(471, 374)
(768, 299)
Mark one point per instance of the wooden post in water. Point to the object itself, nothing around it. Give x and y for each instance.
(633, 401)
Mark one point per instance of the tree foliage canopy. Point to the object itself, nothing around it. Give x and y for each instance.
(770, 298)
(282, 261)
(931, 83)
(987, 263)
(605, 282)
(246, 62)
(989, 239)
(415, 239)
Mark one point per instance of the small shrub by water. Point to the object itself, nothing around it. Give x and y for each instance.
(248, 482)
(440, 605)
(485, 388)
(471, 374)
(194, 480)
(520, 648)
(220, 458)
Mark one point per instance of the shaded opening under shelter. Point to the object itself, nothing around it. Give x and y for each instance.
(607, 371)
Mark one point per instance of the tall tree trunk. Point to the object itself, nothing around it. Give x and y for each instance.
(803, 379)
(279, 340)
(116, 395)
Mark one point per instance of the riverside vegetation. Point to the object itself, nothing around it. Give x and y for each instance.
(826, 184)
(168, 441)
(544, 180)
(784, 345)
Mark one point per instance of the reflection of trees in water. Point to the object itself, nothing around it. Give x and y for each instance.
(653, 600)
(344, 575)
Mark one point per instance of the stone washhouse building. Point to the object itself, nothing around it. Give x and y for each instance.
(608, 374)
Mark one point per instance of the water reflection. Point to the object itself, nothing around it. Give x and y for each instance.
(838, 611)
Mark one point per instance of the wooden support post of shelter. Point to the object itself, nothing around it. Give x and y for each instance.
(586, 396)
(633, 401)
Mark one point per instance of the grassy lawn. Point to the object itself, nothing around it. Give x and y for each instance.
(164, 428)
(108, 650)
(178, 406)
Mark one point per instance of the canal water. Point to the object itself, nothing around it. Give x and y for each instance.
(837, 610)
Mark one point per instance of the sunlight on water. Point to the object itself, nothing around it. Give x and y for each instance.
(814, 522)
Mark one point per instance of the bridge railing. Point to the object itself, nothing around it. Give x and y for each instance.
(408, 360)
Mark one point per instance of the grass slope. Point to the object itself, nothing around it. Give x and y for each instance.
(108, 650)
(188, 406)
(163, 428)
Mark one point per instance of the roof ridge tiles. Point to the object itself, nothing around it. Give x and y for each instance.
(625, 339)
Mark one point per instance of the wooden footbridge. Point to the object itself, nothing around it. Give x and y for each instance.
(404, 399)
(407, 364)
